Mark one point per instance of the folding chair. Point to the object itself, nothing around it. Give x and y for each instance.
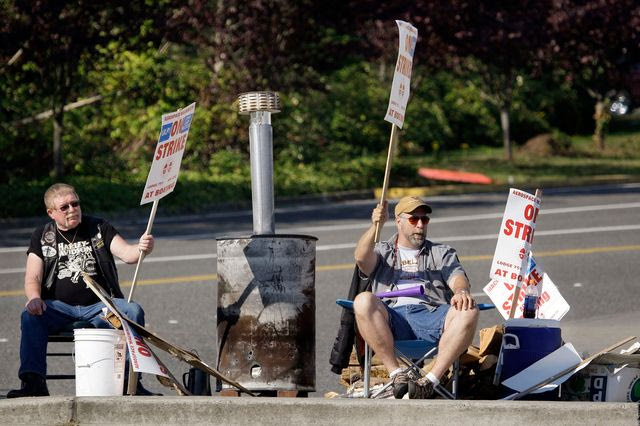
(65, 336)
(412, 353)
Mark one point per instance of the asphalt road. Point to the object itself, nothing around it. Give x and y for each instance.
(587, 240)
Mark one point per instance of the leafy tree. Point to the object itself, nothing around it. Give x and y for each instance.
(268, 44)
(497, 46)
(502, 43)
(60, 41)
(595, 45)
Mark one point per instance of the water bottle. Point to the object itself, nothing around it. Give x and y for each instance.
(530, 300)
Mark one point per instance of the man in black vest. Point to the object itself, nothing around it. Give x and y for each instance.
(60, 251)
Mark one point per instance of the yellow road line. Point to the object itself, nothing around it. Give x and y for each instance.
(153, 281)
(590, 250)
(190, 278)
(343, 266)
(10, 293)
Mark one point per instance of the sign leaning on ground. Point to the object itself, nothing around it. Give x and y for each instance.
(140, 345)
(165, 168)
(400, 87)
(141, 357)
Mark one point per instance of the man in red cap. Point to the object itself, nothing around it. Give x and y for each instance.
(445, 314)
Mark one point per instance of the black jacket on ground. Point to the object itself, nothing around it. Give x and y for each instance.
(343, 344)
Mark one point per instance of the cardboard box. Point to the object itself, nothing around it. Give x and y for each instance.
(609, 378)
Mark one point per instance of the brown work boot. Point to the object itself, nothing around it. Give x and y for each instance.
(32, 385)
(421, 389)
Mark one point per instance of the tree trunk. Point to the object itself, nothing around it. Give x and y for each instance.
(57, 142)
(506, 135)
(601, 117)
(382, 71)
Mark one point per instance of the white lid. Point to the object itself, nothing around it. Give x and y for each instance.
(532, 322)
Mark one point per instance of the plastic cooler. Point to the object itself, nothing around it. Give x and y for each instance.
(525, 341)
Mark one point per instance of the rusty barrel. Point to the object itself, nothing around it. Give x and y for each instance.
(266, 311)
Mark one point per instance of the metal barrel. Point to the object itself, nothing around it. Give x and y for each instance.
(266, 311)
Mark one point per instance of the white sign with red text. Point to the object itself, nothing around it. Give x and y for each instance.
(141, 357)
(515, 238)
(551, 304)
(402, 75)
(165, 168)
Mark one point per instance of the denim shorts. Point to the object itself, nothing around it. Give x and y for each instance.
(416, 322)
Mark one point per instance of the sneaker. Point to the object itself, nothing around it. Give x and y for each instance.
(32, 385)
(400, 385)
(421, 389)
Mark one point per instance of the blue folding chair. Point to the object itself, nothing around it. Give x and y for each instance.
(412, 353)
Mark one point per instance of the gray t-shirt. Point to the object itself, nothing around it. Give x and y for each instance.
(437, 265)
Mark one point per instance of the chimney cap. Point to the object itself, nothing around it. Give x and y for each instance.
(249, 102)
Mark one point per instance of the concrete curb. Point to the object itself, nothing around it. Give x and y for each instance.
(272, 411)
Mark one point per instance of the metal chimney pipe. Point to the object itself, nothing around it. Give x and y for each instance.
(259, 106)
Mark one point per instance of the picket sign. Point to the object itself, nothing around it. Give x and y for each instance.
(515, 239)
(551, 304)
(398, 99)
(165, 168)
(513, 264)
(167, 158)
(401, 85)
(141, 358)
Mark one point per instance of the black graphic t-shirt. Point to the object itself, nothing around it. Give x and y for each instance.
(75, 255)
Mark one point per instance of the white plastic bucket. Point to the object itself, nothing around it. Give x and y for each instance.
(99, 357)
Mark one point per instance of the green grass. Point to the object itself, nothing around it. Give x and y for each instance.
(197, 192)
(620, 159)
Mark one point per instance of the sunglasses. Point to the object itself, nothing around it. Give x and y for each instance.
(66, 207)
(414, 219)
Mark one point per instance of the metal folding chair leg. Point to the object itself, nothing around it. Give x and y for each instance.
(411, 365)
(454, 383)
(367, 369)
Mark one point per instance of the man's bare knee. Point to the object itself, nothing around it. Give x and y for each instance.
(468, 319)
(365, 302)
(470, 316)
(463, 319)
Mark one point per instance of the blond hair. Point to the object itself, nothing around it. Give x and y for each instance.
(56, 190)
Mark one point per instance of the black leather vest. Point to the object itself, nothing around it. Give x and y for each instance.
(103, 257)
